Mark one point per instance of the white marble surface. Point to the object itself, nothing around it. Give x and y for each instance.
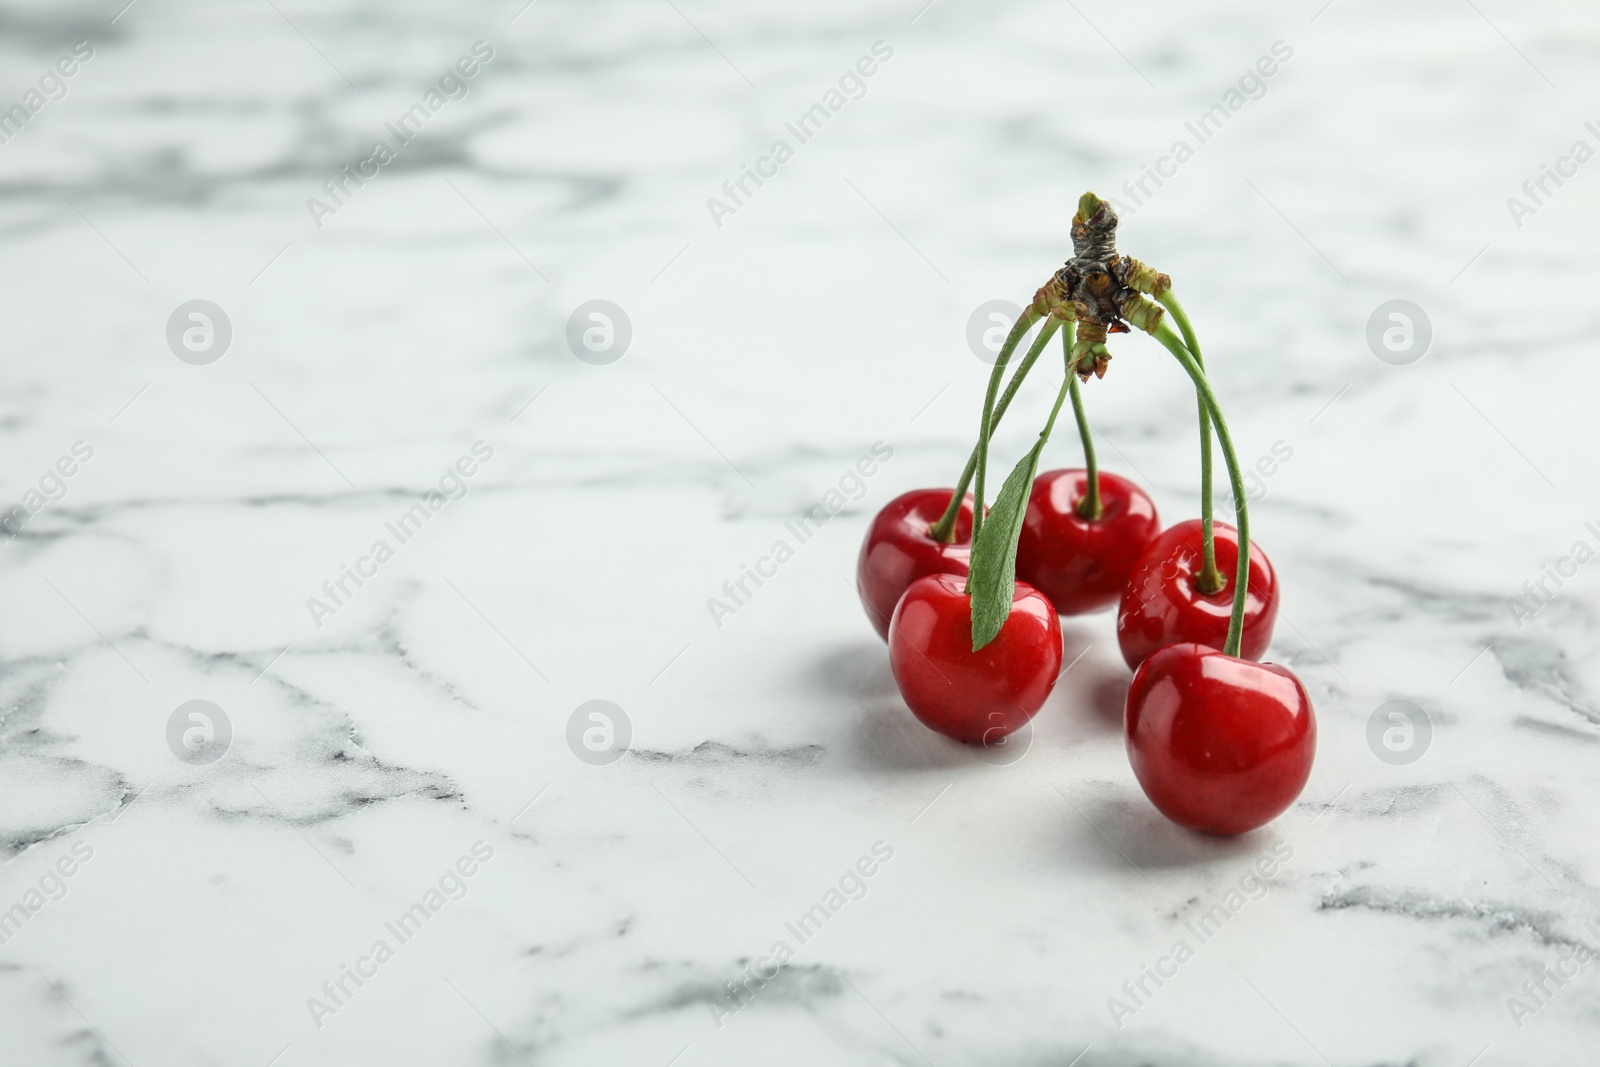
(771, 753)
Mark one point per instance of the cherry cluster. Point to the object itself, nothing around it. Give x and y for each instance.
(968, 594)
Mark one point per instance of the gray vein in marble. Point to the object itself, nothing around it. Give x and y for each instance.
(1540, 668)
(1495, 918)
(715, 753)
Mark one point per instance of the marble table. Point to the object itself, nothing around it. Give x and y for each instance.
(395, 509)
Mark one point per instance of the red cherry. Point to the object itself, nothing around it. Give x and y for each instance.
(976, 697)
(898, 550)
(1161, 605)
(1220, 744)
(1082, 565)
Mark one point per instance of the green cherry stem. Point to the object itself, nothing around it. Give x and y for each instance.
(1164, 334)
(1032, 458)
(1210, 579)
(1089, 507)
(945, 529)
(1047, 331)
(1052, 324)
(1068, 387)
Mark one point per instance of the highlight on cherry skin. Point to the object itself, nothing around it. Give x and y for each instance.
(1082, 564)
(1162, 604)
(973, 697)
(898, 550)
(1219, 744)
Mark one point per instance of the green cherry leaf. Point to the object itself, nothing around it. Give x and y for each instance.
(993, 571)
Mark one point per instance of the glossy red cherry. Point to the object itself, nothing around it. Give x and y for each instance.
(898, 550)
(1161, 605)
(1082, 565)
(1220, 744)
(976, 697)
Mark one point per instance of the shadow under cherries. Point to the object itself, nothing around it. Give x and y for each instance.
(1092, 688)
(1122, 831)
